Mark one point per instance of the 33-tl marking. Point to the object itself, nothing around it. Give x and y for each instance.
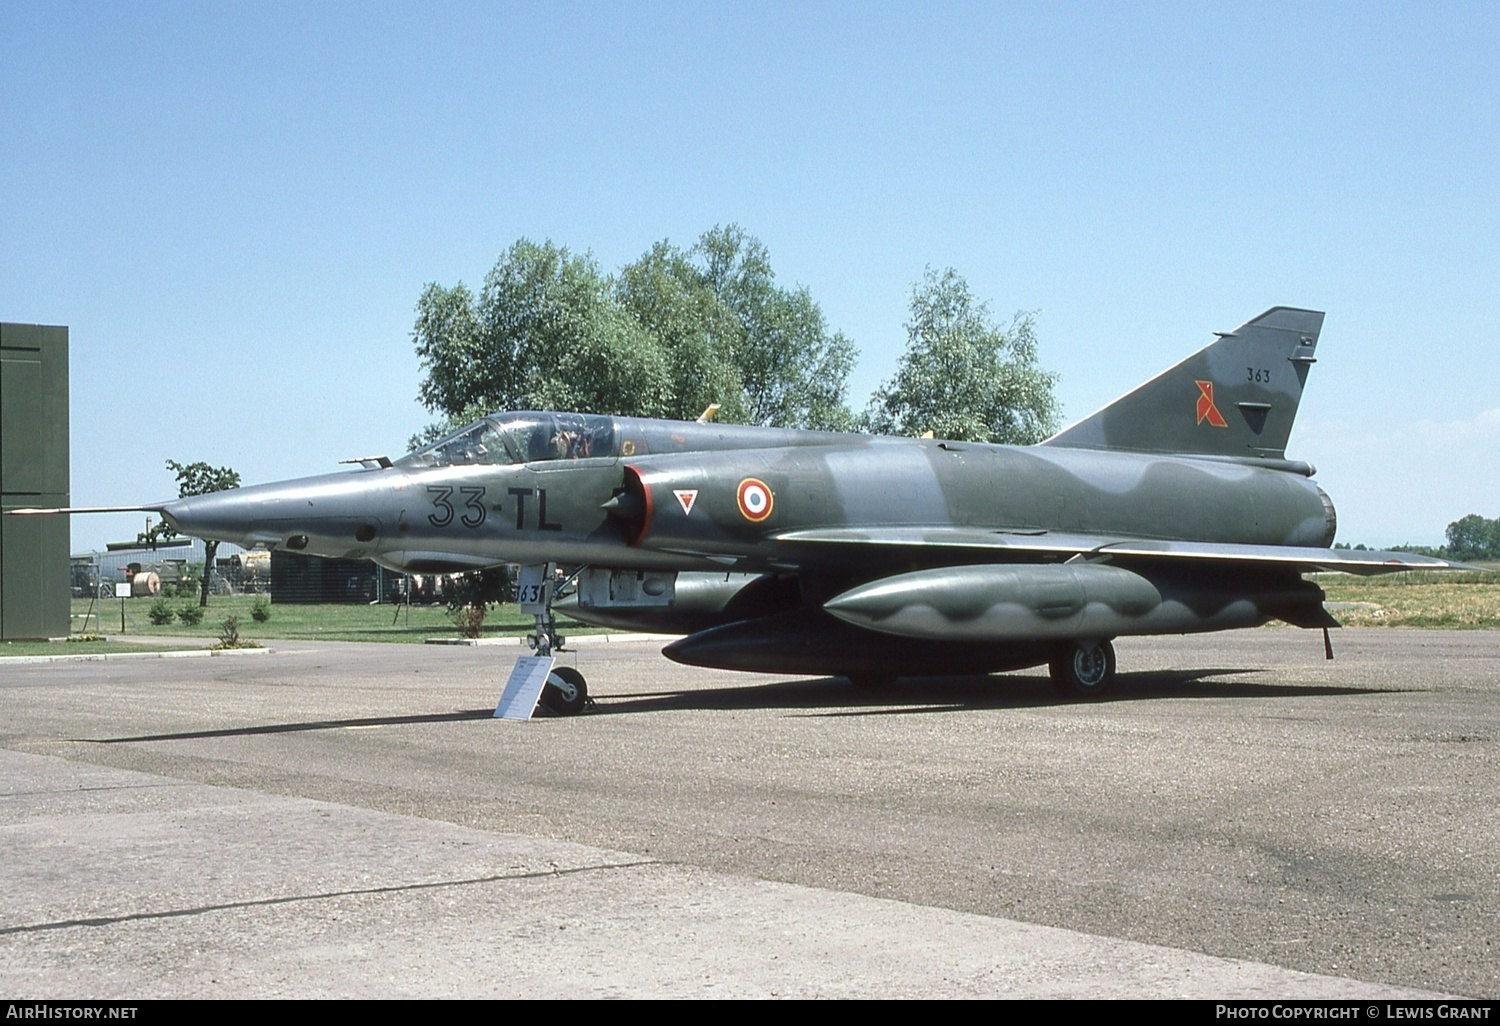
(473, 503)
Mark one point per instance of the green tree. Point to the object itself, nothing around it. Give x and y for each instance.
(448, 341)
(795, 370)
(1474, 537)
(159, 531)
(545, 332)
(963, 376)
(672, 333)
(664, 291)
(201, 479)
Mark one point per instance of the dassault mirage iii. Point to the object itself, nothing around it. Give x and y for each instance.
(1174, 509)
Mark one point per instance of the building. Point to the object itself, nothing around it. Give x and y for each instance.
(236, 570)
(34, 573)
(299, 578)
(288, 577)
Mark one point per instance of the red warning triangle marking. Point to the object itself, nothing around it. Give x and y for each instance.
(685, 498)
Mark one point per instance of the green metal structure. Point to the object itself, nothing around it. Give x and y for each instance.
(34, 597)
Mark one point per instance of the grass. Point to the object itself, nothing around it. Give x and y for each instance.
(78, 647)
(1413, 599)
(308, 622)
(1419, 598)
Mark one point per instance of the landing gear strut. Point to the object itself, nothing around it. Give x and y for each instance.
(565, 693)
(534, 587)
(1083, 669)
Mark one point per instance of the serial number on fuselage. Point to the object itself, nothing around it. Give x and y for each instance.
(476, 511)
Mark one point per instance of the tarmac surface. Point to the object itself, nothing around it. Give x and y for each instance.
(1242, 820)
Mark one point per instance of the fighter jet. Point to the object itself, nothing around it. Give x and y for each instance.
(1173, 509)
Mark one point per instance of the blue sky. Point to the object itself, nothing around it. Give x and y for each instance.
(234, 207)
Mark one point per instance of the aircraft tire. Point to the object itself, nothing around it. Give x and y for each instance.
(1083, 672)
(565, 693)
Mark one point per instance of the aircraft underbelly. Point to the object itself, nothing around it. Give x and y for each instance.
(814, 642)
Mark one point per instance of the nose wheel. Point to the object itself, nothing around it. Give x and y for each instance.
(565, 693)
(1083, 669)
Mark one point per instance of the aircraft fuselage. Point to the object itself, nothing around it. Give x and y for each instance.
(695, 510)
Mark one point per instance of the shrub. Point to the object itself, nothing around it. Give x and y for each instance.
(486, 587)
(191, 614)
(161, 612)
(468, 619)
(472, 593)
(229, 635)
(261, 611)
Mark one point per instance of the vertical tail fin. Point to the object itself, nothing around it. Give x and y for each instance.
(1238, 397)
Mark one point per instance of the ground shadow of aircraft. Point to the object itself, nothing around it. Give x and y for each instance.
(251, 730)
(832, 696)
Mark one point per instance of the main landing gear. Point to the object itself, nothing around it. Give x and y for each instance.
(1079, 669)
(566, 693)
(1083, 669)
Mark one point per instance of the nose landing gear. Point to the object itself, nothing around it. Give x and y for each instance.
(536, 681)
(566, 692)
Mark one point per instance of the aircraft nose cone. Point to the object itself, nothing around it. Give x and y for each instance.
(333, 515)
(219, 515)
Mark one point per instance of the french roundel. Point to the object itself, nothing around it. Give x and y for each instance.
(755, 500)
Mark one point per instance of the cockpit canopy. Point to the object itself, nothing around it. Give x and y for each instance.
(522, 438)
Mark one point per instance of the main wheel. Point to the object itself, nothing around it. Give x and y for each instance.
(565, 693)
(1083, 670)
